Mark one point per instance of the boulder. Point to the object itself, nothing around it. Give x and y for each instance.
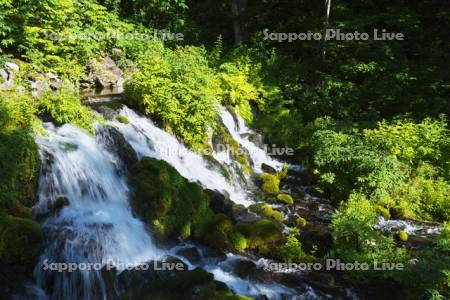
(103, 74)
(115, 142)
(268, 169)
(191, 254)
(12, 66)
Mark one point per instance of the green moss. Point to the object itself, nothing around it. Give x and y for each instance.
(262, 234)
(285, 198)
(270, 183)
(19, 166)
(301, 222)
(403, 235)
(223, 235)
(266, 211)
(19, 240)
(168, 202)
(383, 211)
(283, 173)
(122, 119)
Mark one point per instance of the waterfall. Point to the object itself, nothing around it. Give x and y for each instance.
(96, 226)
(149, 140)
(240, 132)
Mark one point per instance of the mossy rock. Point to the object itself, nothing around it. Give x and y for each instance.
(403, 236)
(265, 210)
(285, 198)
(261, 234)
(122, 119)
(301, 222)
(223, 235)
(398, 212)
(19, 167)
(383, 211)
(173, 206)
(270, 183)
(19, 241)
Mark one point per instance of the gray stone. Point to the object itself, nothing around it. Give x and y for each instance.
(12, 66)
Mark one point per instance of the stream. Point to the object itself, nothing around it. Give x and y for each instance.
(84, 209)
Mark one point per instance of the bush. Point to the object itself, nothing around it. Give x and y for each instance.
(178, 88)
(291, 251)
(356, 240)
(236, 88)
(65, 106)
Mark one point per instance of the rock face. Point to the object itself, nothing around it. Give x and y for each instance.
(103, 74)
(7, 75)
(151, 284)
(116, 143)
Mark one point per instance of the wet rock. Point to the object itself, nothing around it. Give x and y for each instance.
(115, 142)
(316, 234)
(268, 169)
(191, 254)
(244, 268)
(52, 208)
(13, 282)
(151, 284)
(213, 255)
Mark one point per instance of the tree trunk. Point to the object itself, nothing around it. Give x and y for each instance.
(326, 23)
(238, 8)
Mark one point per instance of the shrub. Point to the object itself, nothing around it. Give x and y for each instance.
(355, 238)
(236, 88)
(65, 106)
(291, 251)
(178, 88)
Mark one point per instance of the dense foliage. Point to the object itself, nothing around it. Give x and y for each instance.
(368, 119)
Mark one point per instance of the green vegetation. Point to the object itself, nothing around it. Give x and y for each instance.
(285, 198)
(368, 119)
(270, 183)
(267, 211)
(19, 241)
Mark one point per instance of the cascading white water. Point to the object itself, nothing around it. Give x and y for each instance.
(149, 140)
(97, 226)
(240, 132)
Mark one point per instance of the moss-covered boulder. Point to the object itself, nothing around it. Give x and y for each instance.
(270, 183)
(285, 198)
(265, 210)
(19, 241)
(172, 205)
(19, 165)
(222, 234)
(261, 235)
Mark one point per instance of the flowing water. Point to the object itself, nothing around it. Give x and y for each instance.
(241, 133)
(149, 140)
(85, 211)
(97, 226)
